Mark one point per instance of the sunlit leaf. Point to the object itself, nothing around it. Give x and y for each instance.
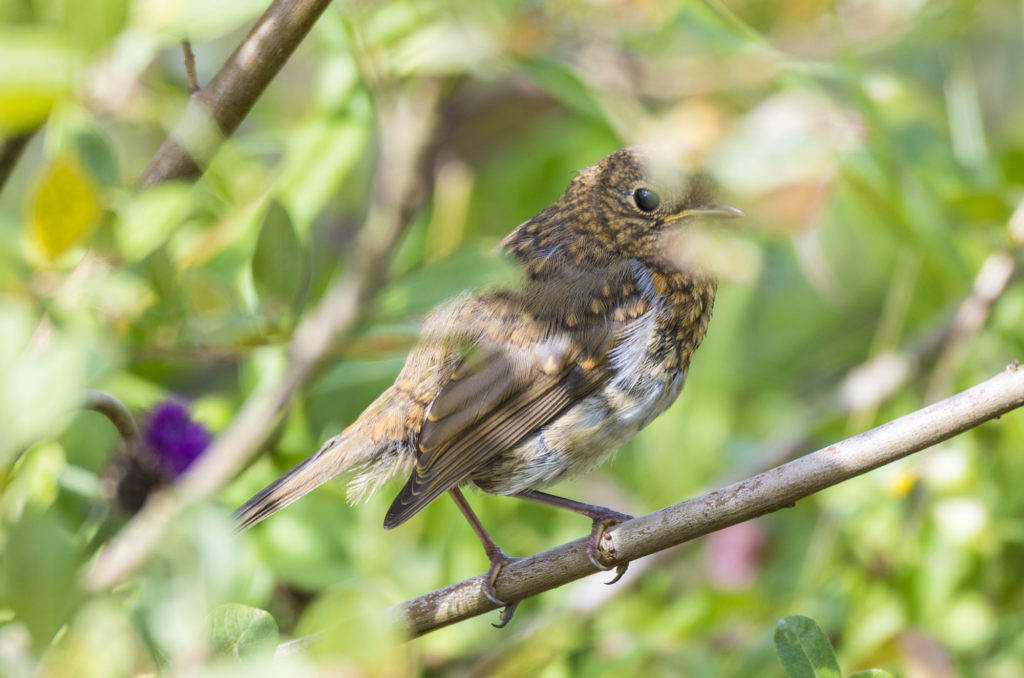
(42, 381)
(65, 208)
(34, 483)
(149, 218)
(243, 631)
(804, 649)
(321, 156)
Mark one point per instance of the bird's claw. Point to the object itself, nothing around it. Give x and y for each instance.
(506, 615)
(620, 570)
(597, 533)
(498, 563)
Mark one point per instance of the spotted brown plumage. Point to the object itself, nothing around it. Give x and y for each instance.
(515, 390)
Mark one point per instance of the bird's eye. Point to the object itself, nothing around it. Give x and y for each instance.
(646, 199)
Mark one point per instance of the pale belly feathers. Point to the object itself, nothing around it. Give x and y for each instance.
(588, 432)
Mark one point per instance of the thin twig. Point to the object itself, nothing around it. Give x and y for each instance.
(10, 150)
(190, 67)
(216, 110)
(971, 316)
(405, 126)
(778, 488)
(868, 384)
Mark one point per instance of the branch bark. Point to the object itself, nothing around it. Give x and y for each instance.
(215, 112)
(777, 488)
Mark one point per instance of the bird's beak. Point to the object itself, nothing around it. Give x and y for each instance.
(713, 210)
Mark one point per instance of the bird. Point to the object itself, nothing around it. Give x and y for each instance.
(515, 389)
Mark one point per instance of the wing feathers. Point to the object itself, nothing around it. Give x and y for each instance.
(459, 460)
(508, 411)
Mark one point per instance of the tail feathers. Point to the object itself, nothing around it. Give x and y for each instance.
(305, 477)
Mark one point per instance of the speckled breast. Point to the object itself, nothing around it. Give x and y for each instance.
(648, 373)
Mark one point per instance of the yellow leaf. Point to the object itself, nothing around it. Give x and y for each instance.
(65, 207)
(23, 110)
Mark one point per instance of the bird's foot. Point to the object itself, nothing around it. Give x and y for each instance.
(598, 535)
(498, 562)
(603, 519)
(494, 554)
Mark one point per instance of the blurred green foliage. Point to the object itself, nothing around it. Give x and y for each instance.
(877, 148)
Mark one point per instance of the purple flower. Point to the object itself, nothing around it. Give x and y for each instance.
(176, 440)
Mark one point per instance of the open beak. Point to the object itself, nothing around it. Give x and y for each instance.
(713, 210)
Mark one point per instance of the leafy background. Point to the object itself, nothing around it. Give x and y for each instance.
(877, 147)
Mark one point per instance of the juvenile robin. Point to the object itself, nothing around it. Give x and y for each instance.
(516, 390)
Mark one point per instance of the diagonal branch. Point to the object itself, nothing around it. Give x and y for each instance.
(777, 488)
(405, 125)
(217, 110)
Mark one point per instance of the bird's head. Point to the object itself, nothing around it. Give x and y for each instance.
(624, 206)
(635, 195)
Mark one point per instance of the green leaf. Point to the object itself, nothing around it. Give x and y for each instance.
(804, 649)
(1013, 165)
(96, 153)
(163, 278)
(871, 673)
(243, 631)
(277, 261)
(39, 567)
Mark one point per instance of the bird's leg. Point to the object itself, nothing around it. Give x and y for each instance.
(603, 519)
(494, 554)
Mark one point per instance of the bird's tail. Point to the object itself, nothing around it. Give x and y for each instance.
(309, 474)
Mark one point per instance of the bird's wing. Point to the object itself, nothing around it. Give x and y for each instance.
(500, 393)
